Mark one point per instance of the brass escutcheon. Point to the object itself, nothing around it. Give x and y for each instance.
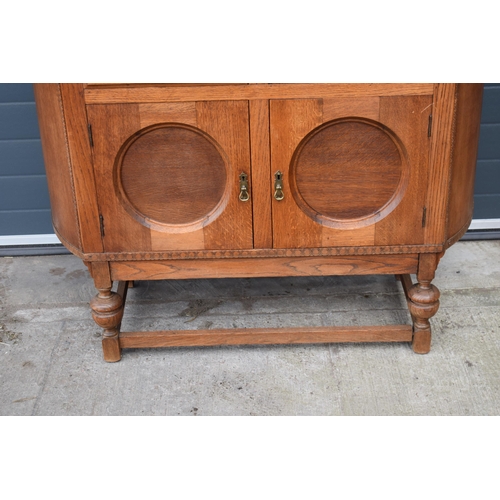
(244, 194)
(278, 186)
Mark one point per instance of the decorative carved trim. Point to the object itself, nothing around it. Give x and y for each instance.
(262, 253)
(250, 253)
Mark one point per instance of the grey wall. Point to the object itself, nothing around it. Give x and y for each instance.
(24, 200)
(487, 190)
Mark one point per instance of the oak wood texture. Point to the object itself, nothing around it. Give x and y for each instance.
(261, 190)
(256, 253)
(107, 311)
(264, 267)
(242, 336)
(423, 301)
(427, 265)
(291, 121)
(371, 185)
(423, 304)
(408, 118)
(465, 147)
(83, 173)
(340, 107)
(101, 274)
(346, 170)
(443, 129)
(172, 175)
(177, 112)
(406, 282)
(112, 126)
(58, 166)
(161, 93)
(227, 123)
(126, 184)
(340, 169)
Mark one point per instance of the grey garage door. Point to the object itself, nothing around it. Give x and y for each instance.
(487, 190)
(24, 201)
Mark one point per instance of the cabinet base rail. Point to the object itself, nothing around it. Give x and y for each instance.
(242, 336)
(422, 299)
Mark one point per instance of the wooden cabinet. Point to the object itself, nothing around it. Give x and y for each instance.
(191, 181)
(354, 170)
(167, 175)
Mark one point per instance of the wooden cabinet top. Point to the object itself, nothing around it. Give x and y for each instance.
(404, 183)
(114, 93)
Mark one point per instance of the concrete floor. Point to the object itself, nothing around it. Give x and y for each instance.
(51, 362)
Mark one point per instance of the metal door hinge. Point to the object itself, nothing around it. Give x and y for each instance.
(429, 128)
(424, 216)
(91, 139)
(101, 224)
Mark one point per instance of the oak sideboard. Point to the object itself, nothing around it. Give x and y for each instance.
(171, 181)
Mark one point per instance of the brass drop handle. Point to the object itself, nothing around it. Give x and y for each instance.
(244, 194)
(278, 186)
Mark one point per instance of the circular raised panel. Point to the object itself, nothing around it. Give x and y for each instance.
(172, 177)
(349, 173)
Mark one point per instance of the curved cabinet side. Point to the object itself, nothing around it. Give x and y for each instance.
(466, 139)
(58, 164)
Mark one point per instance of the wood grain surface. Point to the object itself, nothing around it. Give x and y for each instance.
(173, 175)
(261, 253)
(82, 161)
(340, 107)
(58, 165)
(408, 118)
(392, 164)
(346, 170)
(112, 126)
(264, 267)
(177, 112)
(241, 336)
(463, 168)
(291, 121)
(261, 174)
(397, 222)
(227, 123)
(443, 123)
(159, 93)
(145, 207)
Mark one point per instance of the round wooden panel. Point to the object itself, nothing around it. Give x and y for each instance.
(173, 175)
(348, 173)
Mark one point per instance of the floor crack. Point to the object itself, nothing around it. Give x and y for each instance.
(34, 412)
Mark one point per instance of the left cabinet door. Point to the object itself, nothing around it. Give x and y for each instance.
(168, 175)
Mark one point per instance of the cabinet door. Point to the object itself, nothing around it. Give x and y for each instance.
(167, 175)
(354, 170)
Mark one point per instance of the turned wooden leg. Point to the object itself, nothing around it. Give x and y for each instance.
(423, 302)
(107, 311)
